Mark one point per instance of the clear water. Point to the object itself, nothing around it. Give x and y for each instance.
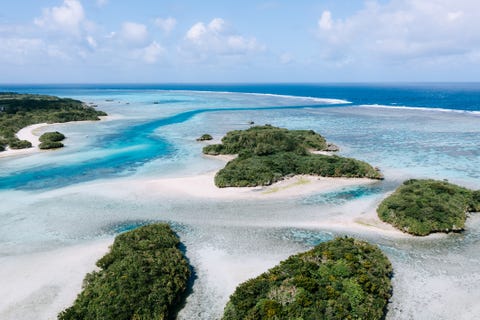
(56, 203)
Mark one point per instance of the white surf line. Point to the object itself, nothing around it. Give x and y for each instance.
(316, 99)
(381, 106)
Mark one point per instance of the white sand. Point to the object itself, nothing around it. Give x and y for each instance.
(202, 186)
(361, 217)
(29, 133)
(39, 285)
(32, 134)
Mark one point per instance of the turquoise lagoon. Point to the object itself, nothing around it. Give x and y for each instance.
(57, 218)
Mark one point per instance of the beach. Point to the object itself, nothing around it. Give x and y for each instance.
(29, 133)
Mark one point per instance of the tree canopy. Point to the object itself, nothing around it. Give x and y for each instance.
(20, 110)
(340, 279)
(144, 276)
(51, 140)
(421, 207)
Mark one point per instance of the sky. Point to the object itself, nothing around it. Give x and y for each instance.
(146, 41)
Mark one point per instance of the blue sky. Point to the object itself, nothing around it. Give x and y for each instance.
(94, 41)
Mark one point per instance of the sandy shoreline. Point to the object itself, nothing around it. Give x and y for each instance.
(202, 186)
(50, 279)
(29, 133)
(360, 218)
(32, 133)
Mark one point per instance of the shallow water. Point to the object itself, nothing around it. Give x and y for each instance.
(54, 203)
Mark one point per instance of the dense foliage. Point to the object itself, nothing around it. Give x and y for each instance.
(340, 279)
(19, 144)
(264, 140)
(205, 137)
(421, 207)
(267, 154)
(20, 110)
(144, 276)
(265, 170)
(52, 136)
(51, 140)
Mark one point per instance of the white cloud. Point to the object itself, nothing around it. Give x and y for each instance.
(325, 21)
(242, 44)
(215, 38)
(22, 50)
(400, 31)
(217, 25)
(196, 32)
(134, 33)
(453, 16)
(67, 17)
(167, 24)
(152, 52)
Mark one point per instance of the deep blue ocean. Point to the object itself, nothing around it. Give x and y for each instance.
(456, 96)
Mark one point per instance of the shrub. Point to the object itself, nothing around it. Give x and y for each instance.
(278, 140)
(421, 207)
(19, 144)
(50, 145)
(340, 279)
(205, 137)
(51, 136)
(144, 276)
(51, 140)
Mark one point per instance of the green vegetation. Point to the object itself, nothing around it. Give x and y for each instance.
(20, 110)
(265, 140)
(51, 140)
(205, 137)
(19, 144)
(144, 276)
(52, 136)
(340, 279)
(267, 154)
(421, 207)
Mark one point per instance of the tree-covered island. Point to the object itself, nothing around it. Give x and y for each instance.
(205, 137)
(20, 110)
(340, 279)
(144, 276)
(267, 154)
(51, 140)
(422, 207)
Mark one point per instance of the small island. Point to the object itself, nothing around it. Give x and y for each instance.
(205, 137)
(21, 110)
(144, 276)
(422, 207)
(51, 140)
(340, 279)
(268, 154)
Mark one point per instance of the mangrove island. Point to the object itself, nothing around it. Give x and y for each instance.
(340, 279)
(144, 276)
(422, 207)
(267, 154)
(20, 110)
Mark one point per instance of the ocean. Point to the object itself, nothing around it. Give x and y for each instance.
(58, 214)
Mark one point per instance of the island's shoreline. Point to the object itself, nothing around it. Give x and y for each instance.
(30, 133)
